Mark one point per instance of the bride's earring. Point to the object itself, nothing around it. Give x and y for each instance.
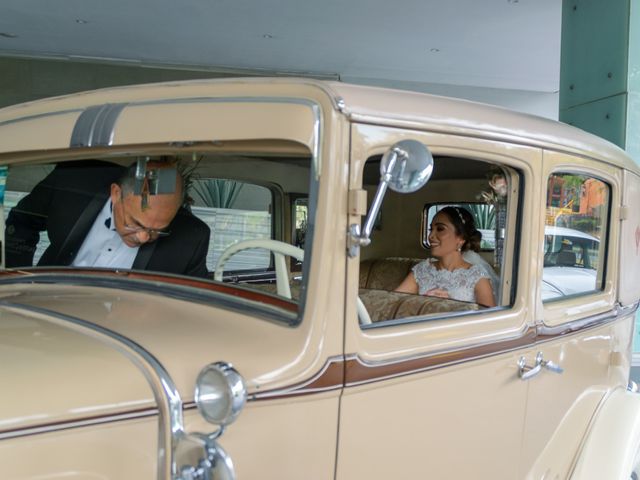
(459, 247)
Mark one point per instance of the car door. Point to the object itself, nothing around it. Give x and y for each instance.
(437, 396)
(579, 330)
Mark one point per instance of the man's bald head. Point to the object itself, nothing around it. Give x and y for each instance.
(140, 221)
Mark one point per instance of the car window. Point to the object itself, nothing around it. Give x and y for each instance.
(576, 220)
(233, 219)
(481, 192)
(300, 216)
(235, 211)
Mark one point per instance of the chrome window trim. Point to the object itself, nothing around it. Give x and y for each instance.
(165, 392)
(616, 313)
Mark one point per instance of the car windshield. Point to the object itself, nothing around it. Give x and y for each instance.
(565, 247)
(230, 218)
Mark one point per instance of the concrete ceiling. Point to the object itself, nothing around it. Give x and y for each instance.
(502, 44)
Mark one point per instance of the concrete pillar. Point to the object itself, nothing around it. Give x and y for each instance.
(600, 75)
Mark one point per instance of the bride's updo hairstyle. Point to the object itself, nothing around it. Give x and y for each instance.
(465, 226)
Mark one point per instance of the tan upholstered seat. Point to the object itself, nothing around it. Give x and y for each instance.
(385, 273)
(378, 279)
(383, 305)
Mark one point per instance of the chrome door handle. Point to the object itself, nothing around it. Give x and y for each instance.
(525, 372)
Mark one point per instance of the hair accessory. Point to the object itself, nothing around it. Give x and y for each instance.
(459, 215)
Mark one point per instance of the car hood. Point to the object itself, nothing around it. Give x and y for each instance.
(51, 372)
(562, 281)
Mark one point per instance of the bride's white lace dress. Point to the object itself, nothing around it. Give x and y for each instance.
(459, 283)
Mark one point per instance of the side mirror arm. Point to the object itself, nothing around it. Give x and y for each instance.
(358, 237)
(405, 168)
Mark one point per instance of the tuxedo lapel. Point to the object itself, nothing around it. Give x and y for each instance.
(144, 255)
(80, 229)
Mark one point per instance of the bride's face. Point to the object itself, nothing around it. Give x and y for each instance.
(443, 237)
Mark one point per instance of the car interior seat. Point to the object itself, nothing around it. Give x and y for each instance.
(566, 258)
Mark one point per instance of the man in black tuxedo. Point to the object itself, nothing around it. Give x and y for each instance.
(95, 218)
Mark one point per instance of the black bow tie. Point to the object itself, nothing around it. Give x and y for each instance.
(107, 222)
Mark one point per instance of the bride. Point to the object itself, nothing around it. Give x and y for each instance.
(451, 275)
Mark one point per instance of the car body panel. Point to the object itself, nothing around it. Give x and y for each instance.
(586, 360)
(90, 453)
(446, 375)
(560, 453)
(53, 359)
(448, 422)
(630, 241)
(578, 333)
(203, 328)
(614, 433)
(272, 437)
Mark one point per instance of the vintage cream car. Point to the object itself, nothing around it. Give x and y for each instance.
(294, 358)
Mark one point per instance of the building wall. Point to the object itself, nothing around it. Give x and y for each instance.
(23, 80)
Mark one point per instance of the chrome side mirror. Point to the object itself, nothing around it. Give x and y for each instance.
(405, 168)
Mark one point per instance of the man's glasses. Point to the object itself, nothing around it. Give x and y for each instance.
(133, 229)
(150, 231)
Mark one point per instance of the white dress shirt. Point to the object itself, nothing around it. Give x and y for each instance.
(103, 247)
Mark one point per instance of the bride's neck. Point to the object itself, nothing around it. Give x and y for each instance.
(452, 261)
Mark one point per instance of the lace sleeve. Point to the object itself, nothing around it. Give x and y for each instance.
(475, 259)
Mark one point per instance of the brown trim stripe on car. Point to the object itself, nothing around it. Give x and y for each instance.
(359, 372)
(352, 371)
(330, 377)
(76, 423)
(338, 371)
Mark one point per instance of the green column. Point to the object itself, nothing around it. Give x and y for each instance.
(600, 74)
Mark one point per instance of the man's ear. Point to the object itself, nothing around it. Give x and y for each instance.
(116, 193)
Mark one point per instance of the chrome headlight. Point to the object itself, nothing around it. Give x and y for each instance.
(220, 393)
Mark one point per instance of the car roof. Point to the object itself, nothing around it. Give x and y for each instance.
(358, 103)
(416, 110)
(567, 232)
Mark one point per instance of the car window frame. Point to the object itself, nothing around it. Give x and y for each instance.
(190, 288)
(562, 313)
(601, 274)
(513, 216)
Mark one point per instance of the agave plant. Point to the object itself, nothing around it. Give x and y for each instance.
(484, 215)
(217, 193)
